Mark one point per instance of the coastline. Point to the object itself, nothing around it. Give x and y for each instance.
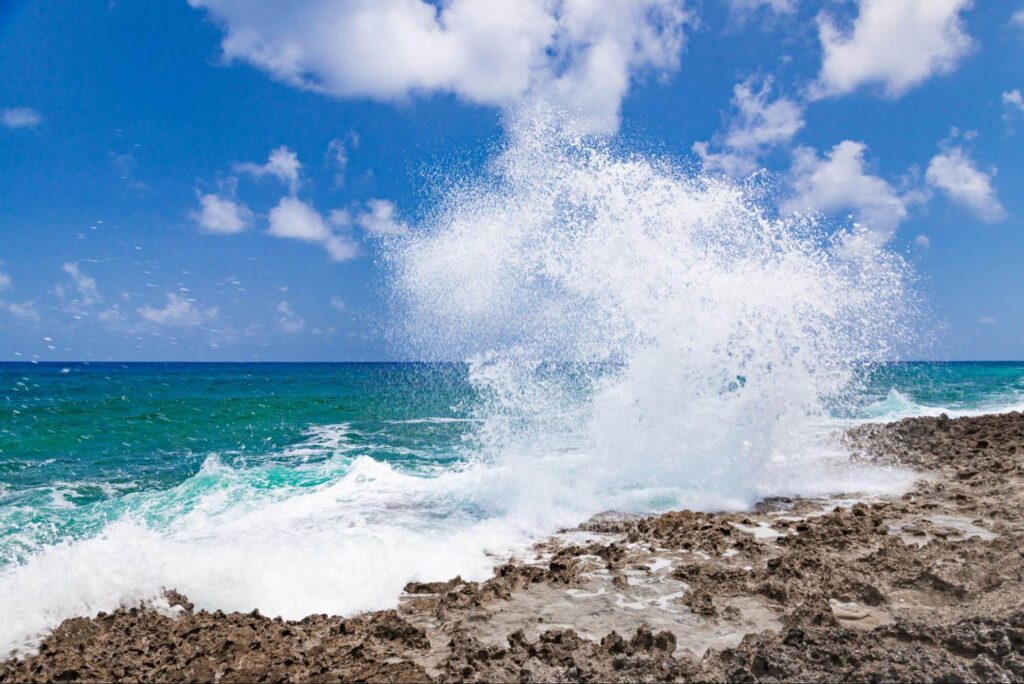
(920, 587)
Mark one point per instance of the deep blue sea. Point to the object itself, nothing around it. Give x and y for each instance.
(301, 488)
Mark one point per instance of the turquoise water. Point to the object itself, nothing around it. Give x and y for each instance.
(297, 487)
(962, 387)
(75, 439)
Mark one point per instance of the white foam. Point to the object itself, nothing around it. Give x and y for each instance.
(346, 546)
(659, 564)
(433, 420)
(322, 440)
(759, 531)
(898, 405)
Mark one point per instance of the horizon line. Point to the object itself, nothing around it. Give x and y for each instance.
(38, 362)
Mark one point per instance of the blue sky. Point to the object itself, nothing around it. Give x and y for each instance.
(170, 169)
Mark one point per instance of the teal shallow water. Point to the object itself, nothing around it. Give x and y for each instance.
(301, 488)
(76, 436)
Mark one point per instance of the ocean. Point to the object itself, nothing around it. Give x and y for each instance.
(320, 487)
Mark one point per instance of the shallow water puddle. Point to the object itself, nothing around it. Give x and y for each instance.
(658, 564)
(967, 526)
(858, 616)
(761, 530)
(947, 527)
(593, 611)
(650, 597)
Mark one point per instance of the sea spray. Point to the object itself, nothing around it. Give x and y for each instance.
(701, 335)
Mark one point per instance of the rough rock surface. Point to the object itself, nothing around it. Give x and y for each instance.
(925, 587)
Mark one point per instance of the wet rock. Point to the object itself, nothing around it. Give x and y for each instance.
(433, 587)
(175, 599)
(700, 603)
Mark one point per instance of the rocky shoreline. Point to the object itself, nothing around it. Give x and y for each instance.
(926, 587)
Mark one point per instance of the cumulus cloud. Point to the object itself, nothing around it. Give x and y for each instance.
(379, 219)
(5, 281)
(578, 53)
(283, 164)
(743, 8)
(894, 44)
(296, 220)
(1018, 18)
(223, 215)
(287, 320)
(20, 117)
(1013, 102)
(126, 168)
(923, 241)
(955, 173)
(177, 312)
(84, 284)
(602, 44)
(840, 181)
(337, 156)
(114, 318)
(25, 311)
(730, 163)
(757, 125)
(339, 304)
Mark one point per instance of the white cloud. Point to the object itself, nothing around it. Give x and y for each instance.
(988, 320)
(86, 286)
(20, 117)
(761, 123)
(579, 52)
(841, 182)
(287, 320)
(379, 220)
(1018, 18)
(294, 219)
(757, 125)
(178, 312)
(748, 7)
(126, 168)
(337, 156)
(339, 304)
(923, 241)
(218, 214)
(729, 163)
(896, 44)
(597, 49)
(113, 317)
(25, 311)
(1013, 102)
(954, 172)
(283, 164)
